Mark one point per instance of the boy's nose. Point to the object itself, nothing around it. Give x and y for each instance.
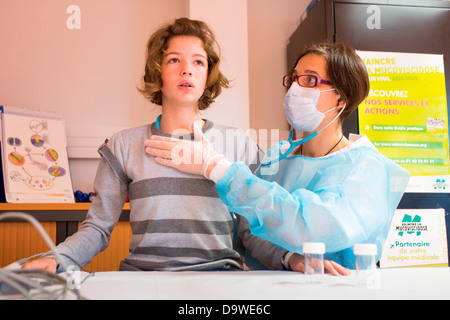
(186, 68)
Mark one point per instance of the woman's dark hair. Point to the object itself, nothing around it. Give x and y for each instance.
(346, 70)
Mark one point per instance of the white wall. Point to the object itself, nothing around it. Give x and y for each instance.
(89, 75)
(228, 20)
(270, 24)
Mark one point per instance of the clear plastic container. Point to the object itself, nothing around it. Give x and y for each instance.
(365, 264)
(314, 269)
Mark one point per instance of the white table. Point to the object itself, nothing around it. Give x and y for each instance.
(397, 283)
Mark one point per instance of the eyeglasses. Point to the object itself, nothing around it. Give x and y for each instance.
(303, 80)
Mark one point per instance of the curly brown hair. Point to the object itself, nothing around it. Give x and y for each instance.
(151, 83)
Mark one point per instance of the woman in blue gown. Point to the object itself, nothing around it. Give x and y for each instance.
(322, 188)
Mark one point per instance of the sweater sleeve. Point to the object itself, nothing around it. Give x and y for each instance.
(104, 212)
(262, 250)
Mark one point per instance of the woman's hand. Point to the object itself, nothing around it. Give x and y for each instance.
(190, 156)
(297, 263)
(46, 263)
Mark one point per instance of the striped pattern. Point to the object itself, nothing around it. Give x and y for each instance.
(181, 226)
(185, 225)
(178, 221)
(172, 186)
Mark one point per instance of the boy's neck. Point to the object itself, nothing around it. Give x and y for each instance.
(179, 120)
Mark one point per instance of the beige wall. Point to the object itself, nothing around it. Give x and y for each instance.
(228, 19)
(89, 75)
(270, 24)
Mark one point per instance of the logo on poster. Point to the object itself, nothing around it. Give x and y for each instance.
(440, 184)
(411, 226)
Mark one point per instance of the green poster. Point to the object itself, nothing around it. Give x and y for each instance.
(405, 115)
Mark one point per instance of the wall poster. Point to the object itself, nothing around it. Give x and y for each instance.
(418, 237)
(34, 157)
(405, 115)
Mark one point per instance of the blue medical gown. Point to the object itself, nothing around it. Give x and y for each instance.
(341, 199)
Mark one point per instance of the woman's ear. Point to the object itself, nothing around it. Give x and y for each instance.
(340, 102)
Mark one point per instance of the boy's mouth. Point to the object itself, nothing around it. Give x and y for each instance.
(186, 84)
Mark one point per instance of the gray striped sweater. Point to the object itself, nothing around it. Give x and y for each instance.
(177, 219)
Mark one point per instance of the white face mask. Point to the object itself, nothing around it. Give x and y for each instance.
(300, 108)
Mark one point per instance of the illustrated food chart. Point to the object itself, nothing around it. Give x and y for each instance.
(40, 157)
(35, 158)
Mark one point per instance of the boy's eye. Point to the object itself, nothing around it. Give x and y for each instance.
(199, 62)
(172, 60)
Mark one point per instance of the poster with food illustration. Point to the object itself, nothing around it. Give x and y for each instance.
(34, 157)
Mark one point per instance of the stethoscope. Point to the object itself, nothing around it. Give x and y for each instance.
(295, 144)
(158, 120)
(292, 146)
